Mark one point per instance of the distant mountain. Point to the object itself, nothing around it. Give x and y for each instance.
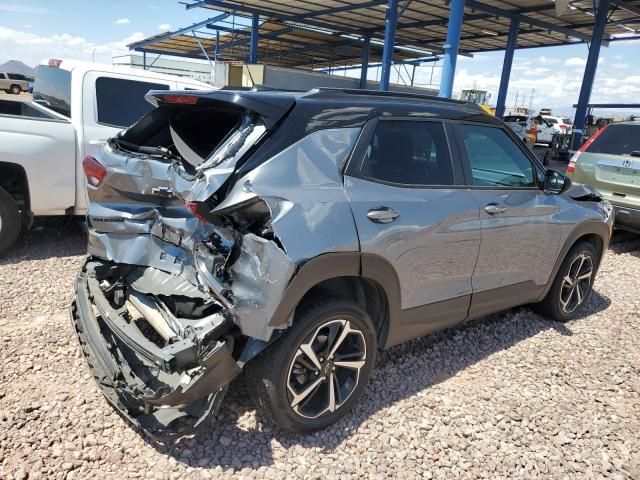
(16, 66)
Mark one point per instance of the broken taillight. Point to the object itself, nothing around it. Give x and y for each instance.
(193, 207)
(572, 163)
(94, 170)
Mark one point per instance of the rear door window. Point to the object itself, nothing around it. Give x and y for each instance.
(495, 159)
(617, 140)
(408, 153)
(121, 102)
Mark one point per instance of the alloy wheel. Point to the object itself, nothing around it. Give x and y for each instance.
(325, 369)
(576, 283)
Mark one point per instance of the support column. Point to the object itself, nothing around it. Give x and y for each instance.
(589, 72)
(144, 60)
(364, 69)
(389, 43)
(253, 52)
(512, 43)
(456, 14)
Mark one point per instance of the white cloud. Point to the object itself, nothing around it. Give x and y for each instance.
(548, 61)
(122, 21)
(621, 66)
(164, 27)
(13, 8)
(575, 62)
(536, 72)
(32, 48)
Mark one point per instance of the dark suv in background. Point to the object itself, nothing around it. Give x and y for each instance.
(293, 235)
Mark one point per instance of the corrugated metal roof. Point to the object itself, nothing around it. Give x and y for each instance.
(323, 33)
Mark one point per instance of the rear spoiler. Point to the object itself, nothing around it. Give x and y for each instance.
(271, 107)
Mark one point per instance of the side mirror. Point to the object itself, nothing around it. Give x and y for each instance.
(555, 182)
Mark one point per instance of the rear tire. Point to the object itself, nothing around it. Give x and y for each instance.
(313, 375)
(15, 89)
(572, 285)
(10, 221)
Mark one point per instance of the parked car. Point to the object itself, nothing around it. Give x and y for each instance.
(552, 125)
(292, 235)
(610, 161)
(76, 107)
(517, 123)
(13, 83)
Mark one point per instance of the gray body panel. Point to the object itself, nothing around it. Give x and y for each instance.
(433, 244)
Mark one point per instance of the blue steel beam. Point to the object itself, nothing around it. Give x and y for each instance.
(247, 41)
(342, 8)
(364, 69)
(467, 18)
(456, 14)
(240, 7)
(512, 43)
(389, 43)
(255, 27)
(376, 65)
(528, 20)
(195, 26)
(590, 72)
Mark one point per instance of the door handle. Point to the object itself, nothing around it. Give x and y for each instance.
(382, 214)
(492, 209)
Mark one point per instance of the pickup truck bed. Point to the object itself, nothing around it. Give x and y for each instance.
(22, 109)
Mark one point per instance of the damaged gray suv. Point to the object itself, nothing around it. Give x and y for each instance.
(292, 235)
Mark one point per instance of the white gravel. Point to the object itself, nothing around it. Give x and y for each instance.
(513, 395)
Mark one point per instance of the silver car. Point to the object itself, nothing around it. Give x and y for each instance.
(293, 235)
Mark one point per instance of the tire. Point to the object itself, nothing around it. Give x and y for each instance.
(15, 89)
(283, 370)
(10, 221)
(566, 298)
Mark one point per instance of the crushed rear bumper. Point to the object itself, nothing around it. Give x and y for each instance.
(162, 391)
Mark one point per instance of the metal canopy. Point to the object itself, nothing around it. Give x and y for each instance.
(423, 23)
(327, 33)
(278, 44)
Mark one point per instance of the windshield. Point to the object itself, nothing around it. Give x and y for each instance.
(566, 121)
(52, 88)
(617, 140)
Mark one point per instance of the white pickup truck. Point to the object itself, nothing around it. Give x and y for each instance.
(76, 107)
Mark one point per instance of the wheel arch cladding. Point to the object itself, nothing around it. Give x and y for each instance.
(594, 232)
(375, 288)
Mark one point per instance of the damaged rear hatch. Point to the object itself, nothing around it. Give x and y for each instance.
(156, 307)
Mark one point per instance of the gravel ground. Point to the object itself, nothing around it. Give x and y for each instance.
(512, 395)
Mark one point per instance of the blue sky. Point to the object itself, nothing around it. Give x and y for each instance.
(32, 30)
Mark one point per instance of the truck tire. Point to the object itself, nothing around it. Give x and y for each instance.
(15, 89)
(10, 221)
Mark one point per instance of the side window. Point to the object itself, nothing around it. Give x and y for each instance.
(495, 159)
(408, 153)
(121, 102)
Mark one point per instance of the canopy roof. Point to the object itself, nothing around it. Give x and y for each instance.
(323, 33)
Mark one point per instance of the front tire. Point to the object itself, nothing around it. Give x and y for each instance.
(10, 221)
(313, 375)
(15, 89)
(572, 285)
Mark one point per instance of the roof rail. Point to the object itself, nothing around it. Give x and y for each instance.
(377, 93)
